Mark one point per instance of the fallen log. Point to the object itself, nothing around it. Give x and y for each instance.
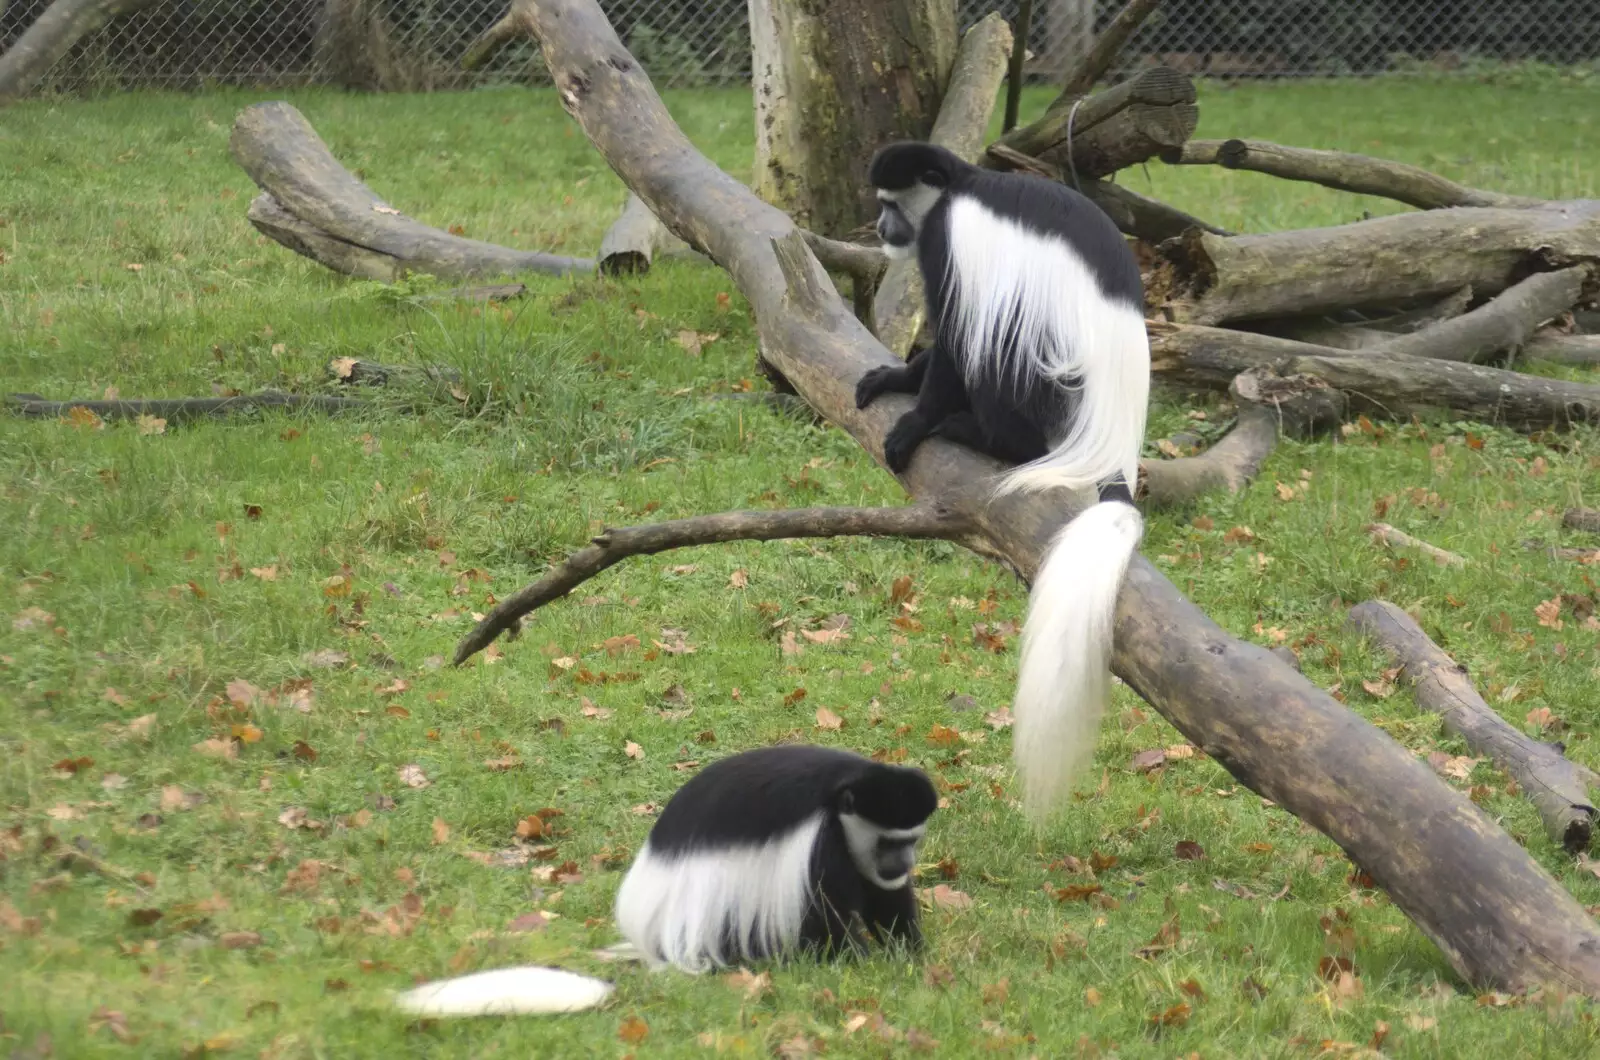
(51, 36)
(1557, 348)
(355, 372)
(1268, 407)
(1557, 786)
(1393, 387)
(632, 240)
(176, 410)
(287, 159)
(1586, 519)
(1585, 556)
(1499, 918)
(899, 307)
(1111, 130)
(1361, 174)
(1210, 279)
(1504, 323)
(1107, 46)
(269, 218)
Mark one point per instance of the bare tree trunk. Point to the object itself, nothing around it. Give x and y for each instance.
(51, 36)
(834, 81)
(353, 45)
(1068, 30)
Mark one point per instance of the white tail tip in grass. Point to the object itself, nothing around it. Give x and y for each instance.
(527, 990)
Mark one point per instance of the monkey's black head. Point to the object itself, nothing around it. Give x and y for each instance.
(910, 178)
(884, 811)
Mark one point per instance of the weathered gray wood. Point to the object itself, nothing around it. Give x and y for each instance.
(1500, 919)
(1557, 348)
(1504, 323)
(632, 240)
(51, 36)
(176, 410)
(1361, 174)
(1386, 386)
(1209, 279)
(1557, 786)
(284, 155)
(1586, 519)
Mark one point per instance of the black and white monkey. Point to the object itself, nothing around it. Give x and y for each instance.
(1039, 358)
(778, 851)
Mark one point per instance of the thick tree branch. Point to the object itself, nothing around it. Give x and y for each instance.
(632, 240)
(1557, 348)
(284, 155)
(1557, 786)
(1393, 537)
(175, 410)
(1019, 55)
(52, 35)
(511, 25)
(1208, 279)
(1499, 918)
(1503, 323)
(615, 545)
(1268, 407)
(1361, 174)
(1393, 387)
(1586, 519)
(899, 307)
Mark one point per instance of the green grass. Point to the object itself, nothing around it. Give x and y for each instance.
(142, 552)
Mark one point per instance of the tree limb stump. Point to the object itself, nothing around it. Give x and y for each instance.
(1209, 279)
(1393, 387)
(612, 546)
(1585, 519)
(1503, 323)
(1361, 174)
(284, 155)
(1269, 406)
(1557, 786)
(899, 306)
(632, 240)
(1500, 919)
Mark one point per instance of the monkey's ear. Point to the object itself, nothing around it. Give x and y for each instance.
(847, 801)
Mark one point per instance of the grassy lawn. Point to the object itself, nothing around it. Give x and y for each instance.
(242, 800)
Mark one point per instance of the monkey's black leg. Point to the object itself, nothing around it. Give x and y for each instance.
(900, 379)
(943, 394)
(893, 916)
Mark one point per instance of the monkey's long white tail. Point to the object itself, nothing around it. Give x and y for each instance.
(526, 990)
(1063, 678)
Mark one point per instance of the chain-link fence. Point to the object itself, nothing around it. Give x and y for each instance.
(418, 44)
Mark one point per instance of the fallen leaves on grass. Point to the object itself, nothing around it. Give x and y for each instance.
(633, 1030)
(828, 720)
(748, 984)
(412, 776)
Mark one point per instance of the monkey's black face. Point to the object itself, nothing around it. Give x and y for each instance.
(897, 233)
(900, 216)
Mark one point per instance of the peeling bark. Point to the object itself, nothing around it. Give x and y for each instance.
(834, 82)
(1499, 918)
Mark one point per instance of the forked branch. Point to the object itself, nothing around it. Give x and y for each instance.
(615, 545)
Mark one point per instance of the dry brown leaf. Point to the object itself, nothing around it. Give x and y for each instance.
(633, 750)
(1092, 997)
(1549, 613)
(31, 618)
(739, 579)
(745, 982)
(218, 748)
(151, 425)
(827, 719)
(412, 776)
(441, 831)
(695, 341)
(633, 1030)
(944, 896)
(1379, 689)
(1188, 850)
(1146, 761)
(239, 940)
(999, 719)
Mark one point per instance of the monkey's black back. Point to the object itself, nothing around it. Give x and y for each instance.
(755, 795)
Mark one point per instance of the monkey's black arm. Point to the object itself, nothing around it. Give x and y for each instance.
(892, 916)
(943, 394)
(896, 379)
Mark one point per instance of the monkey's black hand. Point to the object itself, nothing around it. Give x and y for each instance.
(877, 381)
(903, 440)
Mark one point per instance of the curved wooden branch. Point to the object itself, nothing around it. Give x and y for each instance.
(612, 546)
(1105, 51)
(899, 306)
(1393, 387)
(1557, 786)
(52, 35)
(284, 155)
(1392, 537)
(1503, 323)
(1361, 174)
(1122, 126)
(1019, 55)
(1500, 919)
(175, 410)
(487, 45)
(1210, 279)
(1269, 406)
